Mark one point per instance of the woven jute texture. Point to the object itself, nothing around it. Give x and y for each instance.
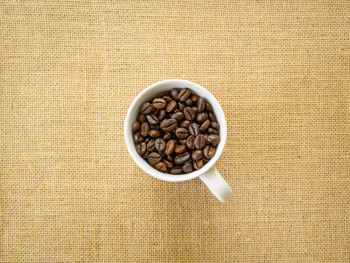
(70, 192)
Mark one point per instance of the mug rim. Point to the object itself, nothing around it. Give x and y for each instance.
(142, 163)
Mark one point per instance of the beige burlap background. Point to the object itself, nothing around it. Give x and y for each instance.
(71, 193)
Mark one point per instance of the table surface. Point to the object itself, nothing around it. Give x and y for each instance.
(71, 193)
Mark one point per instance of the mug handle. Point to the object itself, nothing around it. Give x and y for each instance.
(216, 184)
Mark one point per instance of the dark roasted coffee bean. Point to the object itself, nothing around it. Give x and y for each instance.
(160, 144)
(135, 126)
(159, 103)
(194, 98)
(177, 110)
(196, 155)
(189, 113)
(154, 133)
(151, 146)
(161, 115)
(181, 106)
(199, 142)
(163, 93)
(141, 118)
(161, 166)
(181, 133)
(169, 147)
(201, 104)
(182, 158)
(189, 102)
(174, 93)
(170, 158)
(168, 163)
(212, 117)
(171, 106)
(194, 129)
(198, 164)
(167, 98)
(154, 126)
(187, 168)
(152, 119)
(155, 111)
(146, 108)
(185, 124)
(201, 117)
(195, 109)
(144, 129)
(145, 155)
(168, 124)
(179, 116)
(208, 107)
(214, 139)
(204, 125)
(214, 125)
(154, 158)
(206, 138)
(209, 151)
(190, 142)
(141, 148)
(176, 170)
(213, 131)
(205, 160)
(184, 94)
(147, 140)
(182, 141)
(167, 136)
(180, 149)
(137, 137)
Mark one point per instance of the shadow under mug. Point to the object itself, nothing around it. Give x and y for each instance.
(208, 173)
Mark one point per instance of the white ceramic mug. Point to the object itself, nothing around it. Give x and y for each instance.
(208, 173)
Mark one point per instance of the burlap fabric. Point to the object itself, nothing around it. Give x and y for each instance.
(71, 193)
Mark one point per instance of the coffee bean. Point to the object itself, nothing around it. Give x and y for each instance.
(189, 113)
(199, 142)
(169, 147)
(196, 155)
(204, 125)
(160, 144)
(161, 115)
(171, 106)
(190, 142)
(214, 139)
(174, 93)
(163, 93)
(181, 133)
(194, 98)
(201, 117)
(208, 107)
(161, 166)
(159, 103)
(154, 126)
(187, 168)
(138, 137)
(180, 149)
(147, 140)
(154, 158)
(170, 157)
(182, 141)
(135, 126)
(167, 136)
(168, 163)
(205, 160)
(195, 109)
(181, 106)
(141, 118)
(144, 129)
(152, 119)
(206, 138)
(145, 155)
(151, 146)
(141, 148)
(198, 164)
(182, 158)
(194, 129)
(168, 124)
(179, 116)
(214, 125)
(209, 151)
(176, 170)
(154, 133)
(212, 117)
(189, 102)
(184, 94)
(211, 130)
(155, 111)
(201, 104)
(167, 98)
(146, 108)
(185, 124)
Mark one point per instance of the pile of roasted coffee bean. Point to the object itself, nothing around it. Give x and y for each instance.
(176, 132)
